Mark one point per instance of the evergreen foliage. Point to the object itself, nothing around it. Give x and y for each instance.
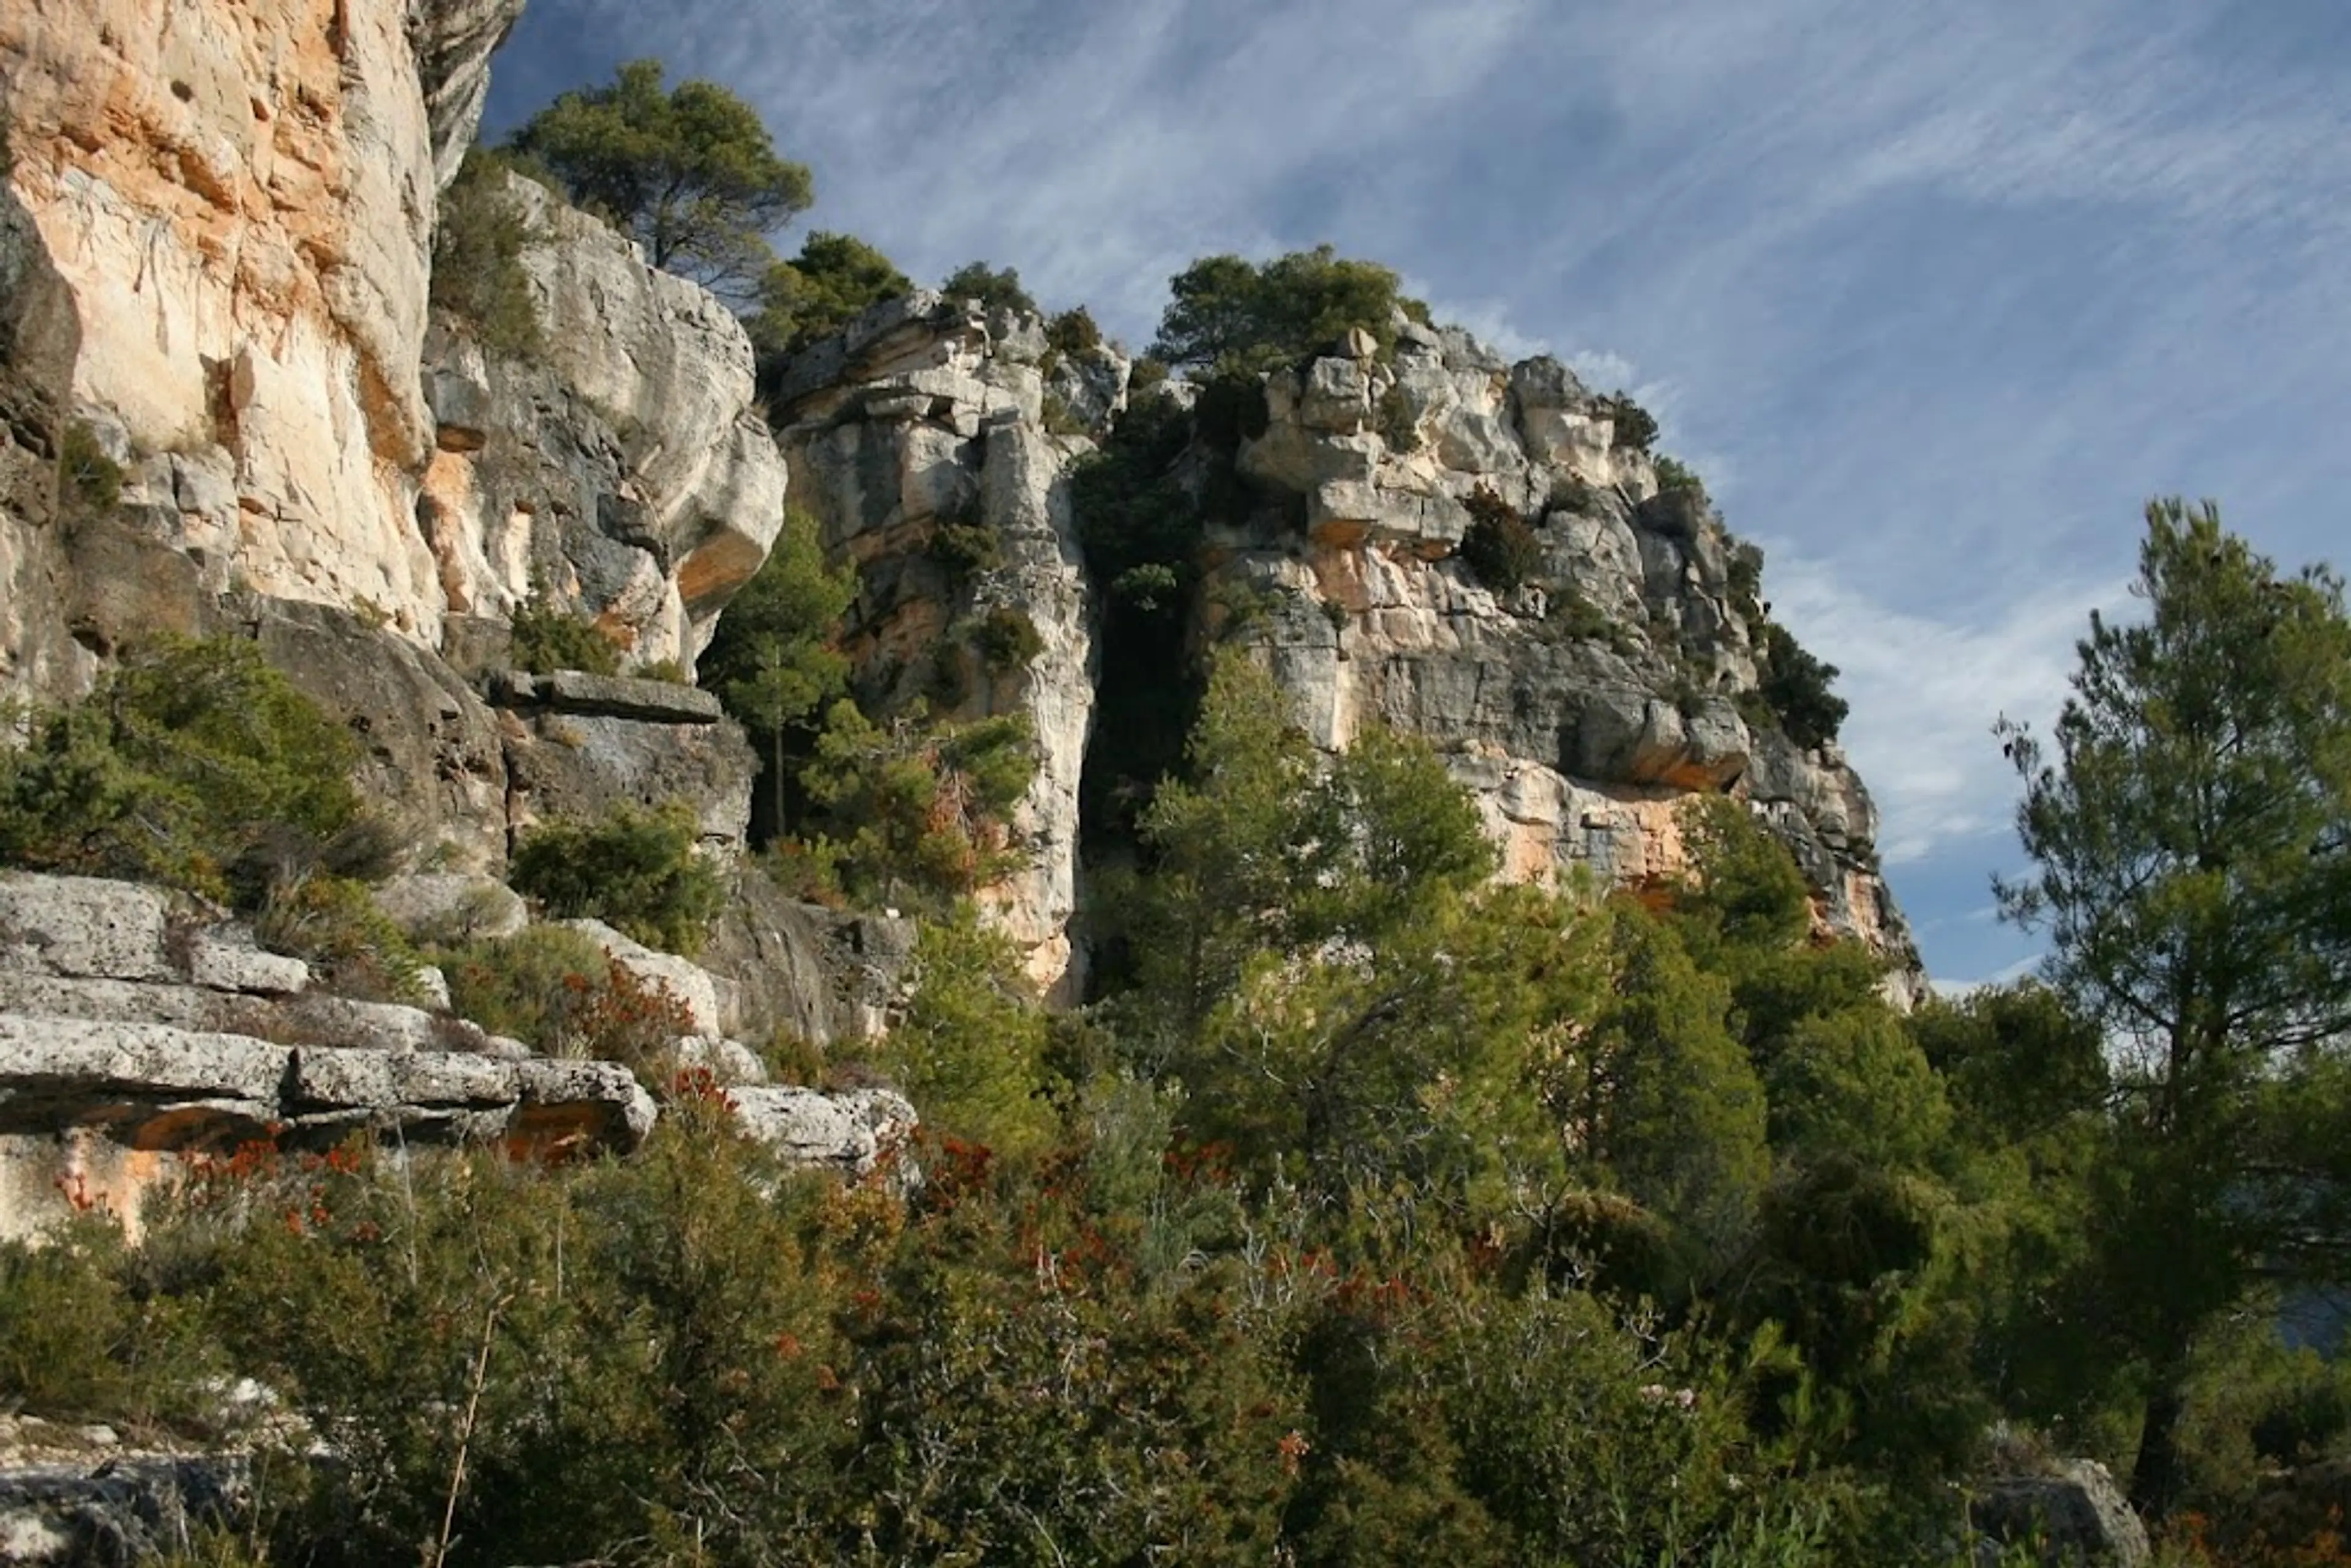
(1229, 316)
(996, 290)
(835, 280)
(1500, 547)
(2190, 826)
(478, 238)
(772, 660)
(544, 637)
(635, 868)
(194, 764)
(1795, 689)
(689, 171)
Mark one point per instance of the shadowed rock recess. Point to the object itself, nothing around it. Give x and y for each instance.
(215, 246)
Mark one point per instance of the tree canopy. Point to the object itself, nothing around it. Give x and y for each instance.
(835, 278)
(691, 172)
(1230, 315)
(2191, 835)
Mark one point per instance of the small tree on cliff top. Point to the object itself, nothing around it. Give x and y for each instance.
(691, 172)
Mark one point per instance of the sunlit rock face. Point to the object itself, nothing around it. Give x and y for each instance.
(1579, 713)
(928, 414)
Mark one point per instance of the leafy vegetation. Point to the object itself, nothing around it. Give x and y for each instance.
(689, 171)
(544, 637)
(1794, 689)
(773, 664)
(635, 868)
(1229, 316)
(478, 236)
(194, 764)
(996, 290)
(1636, 428)
(835, 278)
(88, 481)
(1498, 545)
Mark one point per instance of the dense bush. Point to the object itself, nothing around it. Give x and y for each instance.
(1007, 639)
(194, 764)
(917, 810)
(1636, 428)
(994, 290)
(835, 278)
(554, 989)
(1795, 685)
(88, 481)
(1232, 316)
(353, 948)
(635, 868)
(1498, 545)
(478, 238)
(548, 637)
(1073, 333)
(1673, 475)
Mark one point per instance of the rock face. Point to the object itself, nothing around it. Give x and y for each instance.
(216, 239)
(622, 468)
(927, 415)
(2074, 1513)
(1579, 714)
(139, 1032)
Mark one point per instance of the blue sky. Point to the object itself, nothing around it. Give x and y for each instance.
(1935, 295)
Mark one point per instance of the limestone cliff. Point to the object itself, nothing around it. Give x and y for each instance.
(1579, 713)
(928, 413)
(216, 239)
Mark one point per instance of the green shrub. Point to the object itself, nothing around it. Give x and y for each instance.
(1007, 639)
(970, 1049)
(1636, 430)
(1059, 418)
(1235, 317)
(835, 279)
(1795, 687)
(996, 290)
(1574, 615)
(668, 670)
(478, 273)
(194, 764)
(548, 637)
(1146, 376)
(1498, 547)
(918, 809)
(1571, 493)
(1398, 428)
(76, 1341)
(635, 869)
(1673, 475)
(554, 989)
(88, 481)
(335, 924)
(965, 550)
(1073, 333)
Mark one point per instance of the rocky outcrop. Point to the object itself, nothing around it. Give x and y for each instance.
(621, 468)
(2071, 1514)
(216, 240)
(1580, 707)
(927, 415)
(81, 1495)
(140, 1031)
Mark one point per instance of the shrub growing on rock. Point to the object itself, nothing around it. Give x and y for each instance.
(548, 637)
(1007, 639)
(835, 278)
(1231, 315)
(635, 868)
(1501, 548)
(1636, 428)
(1796, 687)
(477, 245)
(996, 289)
(194, 764)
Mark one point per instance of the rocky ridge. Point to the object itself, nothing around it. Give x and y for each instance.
(140, 1031)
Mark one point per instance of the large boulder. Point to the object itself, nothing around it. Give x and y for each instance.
(2073, 1513)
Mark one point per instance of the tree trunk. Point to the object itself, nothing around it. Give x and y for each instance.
(2155, 1475)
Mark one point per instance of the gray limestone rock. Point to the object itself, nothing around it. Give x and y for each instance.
(850, 1132)
(2075, 1512)
(84, 927)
